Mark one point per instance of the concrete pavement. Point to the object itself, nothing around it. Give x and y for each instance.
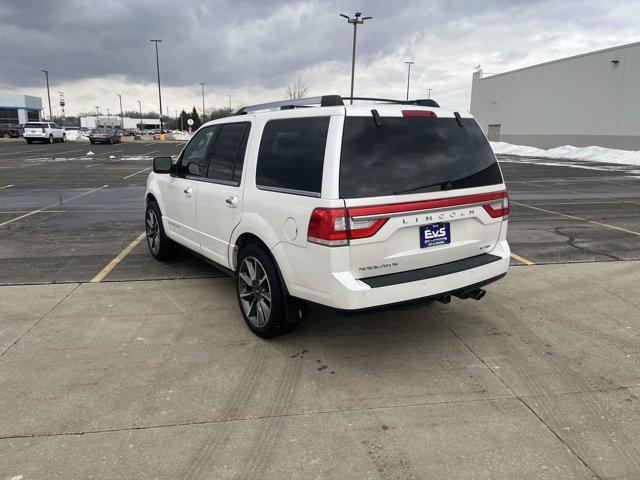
(161, 379)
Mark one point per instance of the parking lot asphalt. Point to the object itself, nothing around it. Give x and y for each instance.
(64, 215)
(133, 378)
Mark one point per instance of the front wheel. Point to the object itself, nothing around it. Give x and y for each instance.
(260, 292)
(160, 246)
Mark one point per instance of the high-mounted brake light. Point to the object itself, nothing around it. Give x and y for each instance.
(419, 113)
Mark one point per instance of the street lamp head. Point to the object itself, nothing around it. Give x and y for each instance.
(345, 16)
(155, 40)
(358, 14)
(366, 18)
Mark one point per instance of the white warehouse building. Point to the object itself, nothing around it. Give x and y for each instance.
(590, 99)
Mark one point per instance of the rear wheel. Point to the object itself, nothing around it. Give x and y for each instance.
(64, 137)
(160, 246)
(29, 140)
(260, 292)
(50, 138)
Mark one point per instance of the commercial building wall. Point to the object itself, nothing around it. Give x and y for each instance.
(590, 99)
(20, 109)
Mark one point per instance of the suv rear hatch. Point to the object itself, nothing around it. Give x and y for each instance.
(422, 187)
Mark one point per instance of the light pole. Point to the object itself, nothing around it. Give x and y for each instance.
(409, 63)
(46, 77)
(159, 92)
(108, 118)
(429, 91)
(121, 113)
(355, 21)
(229, 101)
(203, 114)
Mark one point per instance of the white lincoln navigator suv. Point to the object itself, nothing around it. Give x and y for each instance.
(353, 207)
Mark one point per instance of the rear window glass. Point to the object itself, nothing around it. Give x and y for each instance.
(33, 125)
(413, 155)
(291, 155)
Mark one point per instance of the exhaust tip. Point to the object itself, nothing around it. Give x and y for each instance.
(445, 298)
(477, 294)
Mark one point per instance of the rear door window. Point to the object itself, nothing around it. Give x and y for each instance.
(225, 164)
(413, 155)
(291, 155)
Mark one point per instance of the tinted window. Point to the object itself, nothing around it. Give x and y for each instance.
(34, 125)
(411, 155)
(291, 154)
(194, 154)
(226, 152)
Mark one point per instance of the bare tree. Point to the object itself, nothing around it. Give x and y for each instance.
(297, 89)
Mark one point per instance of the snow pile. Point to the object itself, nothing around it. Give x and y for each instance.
(590, 154)
(75, 136)
(185, 136)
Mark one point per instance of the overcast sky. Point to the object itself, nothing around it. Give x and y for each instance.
(252, 49)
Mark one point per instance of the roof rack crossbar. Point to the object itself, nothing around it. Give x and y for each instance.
(323, 101)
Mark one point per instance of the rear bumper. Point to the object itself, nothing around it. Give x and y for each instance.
(349, 293)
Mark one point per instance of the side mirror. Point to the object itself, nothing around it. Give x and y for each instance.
(162, 165)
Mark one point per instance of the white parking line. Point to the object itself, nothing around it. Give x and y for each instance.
(50, 206)
(144, 170)
(575, 217)
(92, 165)
(23, 151)
(6, 186)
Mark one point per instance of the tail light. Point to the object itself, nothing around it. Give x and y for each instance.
(499, 208)
(336, 226)
(43, 130)
(333, 227)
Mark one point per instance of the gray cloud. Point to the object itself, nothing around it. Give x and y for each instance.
(235, 45)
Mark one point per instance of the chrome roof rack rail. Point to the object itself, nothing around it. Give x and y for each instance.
(423, 102)
(323, 101)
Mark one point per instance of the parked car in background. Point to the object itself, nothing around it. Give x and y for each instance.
(128, 132)
(349, 206)
(47, 132)
(104, 135)
(10, 131)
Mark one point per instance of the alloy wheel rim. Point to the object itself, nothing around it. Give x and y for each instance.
(255, 291)
(153, 231)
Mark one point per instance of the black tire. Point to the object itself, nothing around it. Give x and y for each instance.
(64, 137)
(92, 142)
(276, 323)
(51, 138)
(160, 246)
(29, 141)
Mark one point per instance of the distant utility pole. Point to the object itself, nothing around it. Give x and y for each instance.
(203, 114)
(409, 63)
(355, 22)
(229, 101)
(46, 76)
(121, 113)
(429, 91)
(159, 92)
(140, 107)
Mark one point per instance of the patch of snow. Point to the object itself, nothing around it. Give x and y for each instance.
(90, 153)
(589, 154)
(185, 136)
(75, 136)
(112, 157)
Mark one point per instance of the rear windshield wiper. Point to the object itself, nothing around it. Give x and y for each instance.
(446, 185)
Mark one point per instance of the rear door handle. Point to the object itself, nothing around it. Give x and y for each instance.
(187, 192)
(231, 202)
